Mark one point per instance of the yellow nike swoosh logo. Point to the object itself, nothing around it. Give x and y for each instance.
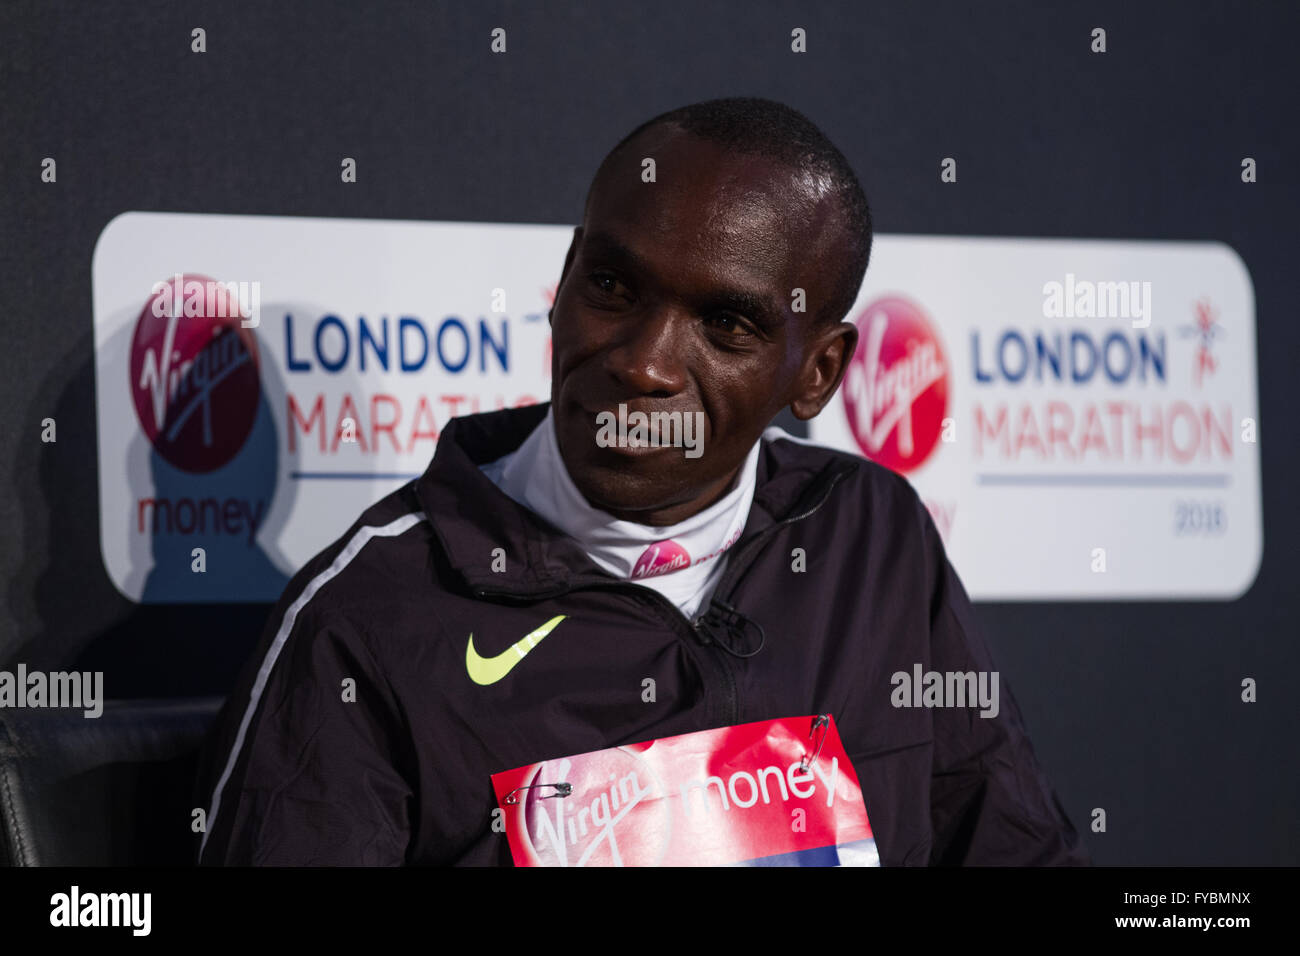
(489, 670)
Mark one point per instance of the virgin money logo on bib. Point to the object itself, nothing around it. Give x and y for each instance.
(769, 793)
(896, 386)
(193, 374)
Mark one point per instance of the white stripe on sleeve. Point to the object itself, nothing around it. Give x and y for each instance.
(350, 551)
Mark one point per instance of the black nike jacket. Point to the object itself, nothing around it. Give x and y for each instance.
(356, 735)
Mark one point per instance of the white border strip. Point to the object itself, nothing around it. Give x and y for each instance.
(777, 433)
(344, 558)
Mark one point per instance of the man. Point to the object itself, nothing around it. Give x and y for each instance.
(509, 606)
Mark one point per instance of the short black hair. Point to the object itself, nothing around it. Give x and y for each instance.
(773, 130)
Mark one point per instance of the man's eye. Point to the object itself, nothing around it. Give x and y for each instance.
(604, 282)
(733, 325)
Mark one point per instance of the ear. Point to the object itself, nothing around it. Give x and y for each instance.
(823, 370)
(568, 261)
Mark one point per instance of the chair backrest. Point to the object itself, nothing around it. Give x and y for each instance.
(114, 790)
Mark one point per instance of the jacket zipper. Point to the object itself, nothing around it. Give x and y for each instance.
(691, 629)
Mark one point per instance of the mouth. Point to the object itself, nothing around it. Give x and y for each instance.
(598, 423)
(612, 432)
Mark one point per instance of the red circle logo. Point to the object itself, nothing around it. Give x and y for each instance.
(896, 386)
(194, 373)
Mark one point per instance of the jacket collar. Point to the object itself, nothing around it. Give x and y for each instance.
(472, 517)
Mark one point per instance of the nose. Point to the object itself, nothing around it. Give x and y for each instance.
(648, 358)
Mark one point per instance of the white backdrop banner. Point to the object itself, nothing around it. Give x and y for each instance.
(1080, 417)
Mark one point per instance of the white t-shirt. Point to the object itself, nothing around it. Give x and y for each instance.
(683, 562)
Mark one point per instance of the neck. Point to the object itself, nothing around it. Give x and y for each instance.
(665, 515)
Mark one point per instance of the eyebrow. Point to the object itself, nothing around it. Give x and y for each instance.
(743, 301)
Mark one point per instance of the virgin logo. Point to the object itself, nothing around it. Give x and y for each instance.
(616, 814)
(194, 375)
(662, 557)
(896, 386)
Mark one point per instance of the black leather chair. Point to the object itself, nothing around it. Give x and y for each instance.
(115, 790)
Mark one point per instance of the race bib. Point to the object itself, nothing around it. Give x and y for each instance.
(771, 793)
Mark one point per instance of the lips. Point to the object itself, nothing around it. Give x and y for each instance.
(657, 433)
(662, 427)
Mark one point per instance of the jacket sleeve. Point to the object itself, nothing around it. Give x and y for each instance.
(991, 804)
(307, 756)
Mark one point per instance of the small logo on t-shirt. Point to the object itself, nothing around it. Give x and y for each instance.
(662, 557)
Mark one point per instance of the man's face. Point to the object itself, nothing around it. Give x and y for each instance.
(677, 296)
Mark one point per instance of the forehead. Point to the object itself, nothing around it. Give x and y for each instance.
(712, 213)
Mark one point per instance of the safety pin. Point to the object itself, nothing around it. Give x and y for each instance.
(561, 790)
(821, 720)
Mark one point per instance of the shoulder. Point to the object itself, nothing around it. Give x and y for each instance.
(864, 486)
(873, 519)
(382, 555)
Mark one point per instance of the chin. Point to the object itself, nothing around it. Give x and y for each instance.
(611, 489)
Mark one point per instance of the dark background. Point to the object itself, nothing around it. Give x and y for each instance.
(1133, 706)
